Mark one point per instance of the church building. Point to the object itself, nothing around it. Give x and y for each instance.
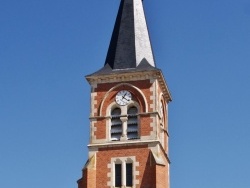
(128, 145)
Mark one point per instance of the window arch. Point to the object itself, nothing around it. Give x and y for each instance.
(116, 124)
(132, 124)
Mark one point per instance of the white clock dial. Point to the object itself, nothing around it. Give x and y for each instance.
(123, 97)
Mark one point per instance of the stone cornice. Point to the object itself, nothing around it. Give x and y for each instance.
(164, 87)
(131, 76)
(118, 76)
(129, 143)
(109, 117)
(122, 143)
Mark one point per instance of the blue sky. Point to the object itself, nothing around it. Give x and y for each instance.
(46, 49)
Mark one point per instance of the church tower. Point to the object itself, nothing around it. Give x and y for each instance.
(128, 145)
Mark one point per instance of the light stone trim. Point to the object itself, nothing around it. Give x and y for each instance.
(153, 95)
(162, 136)
(92, 153)
(157, 102)
(162, 118)
(124, 128)
(108, 127)
(153, 125)
(121, 143)
(97, 141)
(155, 147)
(91, 163)
(166, 116)
(93, 87)
(122, 77)
(123, 161)
(93, 129)
(93, 110)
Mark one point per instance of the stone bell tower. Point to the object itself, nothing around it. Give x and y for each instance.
(129, 111)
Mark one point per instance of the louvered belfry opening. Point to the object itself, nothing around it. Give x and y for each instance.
(132, 132)
(116, 124)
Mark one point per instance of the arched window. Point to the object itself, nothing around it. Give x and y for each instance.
(123, 172)
(116, 124)
(132, 129)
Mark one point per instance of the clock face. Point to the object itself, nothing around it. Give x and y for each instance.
(123, 97)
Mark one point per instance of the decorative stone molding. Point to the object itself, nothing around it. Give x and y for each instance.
(129, 75)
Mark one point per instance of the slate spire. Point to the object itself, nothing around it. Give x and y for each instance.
(130, 43)
(130, 46)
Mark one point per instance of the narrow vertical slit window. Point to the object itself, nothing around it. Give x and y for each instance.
(129, 174)
(118, 175)
(132, 131)
(116, 124)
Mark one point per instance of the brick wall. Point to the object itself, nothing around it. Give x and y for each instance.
(103, 99)
(142, 155)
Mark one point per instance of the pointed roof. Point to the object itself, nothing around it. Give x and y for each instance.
(130, 46)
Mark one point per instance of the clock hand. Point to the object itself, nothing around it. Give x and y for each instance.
(124, 96)
(125, 99)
